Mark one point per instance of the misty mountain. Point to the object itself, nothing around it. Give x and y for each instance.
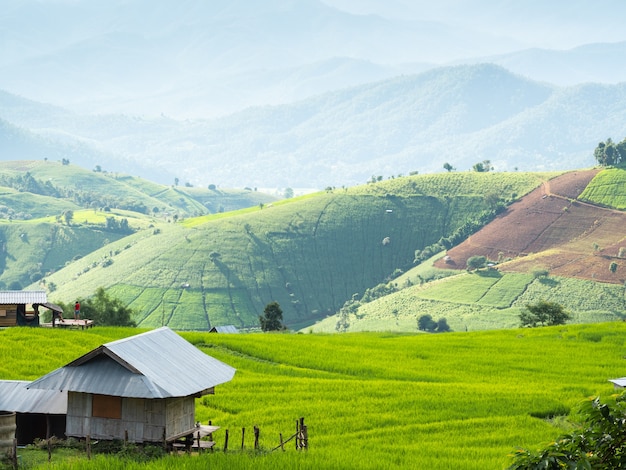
(197, 59)
(460, 115)
(598, 63)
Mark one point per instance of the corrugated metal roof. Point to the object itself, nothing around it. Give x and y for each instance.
(621, 382)
(156, 364)
(224, 329)
(22, 297)
(15, 397)
(50, 306)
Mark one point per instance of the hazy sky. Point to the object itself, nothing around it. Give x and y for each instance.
(560, 24)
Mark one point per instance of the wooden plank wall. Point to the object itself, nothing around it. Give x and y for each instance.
(142, 420)
(180, 415)
(8, 315)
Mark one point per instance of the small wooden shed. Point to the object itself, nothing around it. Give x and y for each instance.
(16, 307)
(142, 388)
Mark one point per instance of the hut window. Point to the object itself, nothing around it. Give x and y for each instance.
(106, 406)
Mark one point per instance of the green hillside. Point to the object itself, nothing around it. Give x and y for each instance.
(35, 196)
(483, 301)
(607, 189)
(310, 254)
(490, 299)
(371, 401)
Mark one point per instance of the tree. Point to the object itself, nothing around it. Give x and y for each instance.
(104, 310)
(613, 267)
(426, 323)
(598, 443)
(442, 325)
(543, 313)
(475, 262)
(482, 167)
(272, 318)
(288, 193)
(448, 167)
(68, 215)
(608, 153)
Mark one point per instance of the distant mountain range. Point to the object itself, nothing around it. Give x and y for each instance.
(309, 93)
(201, 59)
(460, 115)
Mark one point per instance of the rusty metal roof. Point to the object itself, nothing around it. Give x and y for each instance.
(156, 364)
(8, 297)
(15, 397)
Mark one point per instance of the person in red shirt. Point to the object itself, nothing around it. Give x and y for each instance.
(76, 311)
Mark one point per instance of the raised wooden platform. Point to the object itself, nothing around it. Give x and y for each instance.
(191, 439)
(71, 324)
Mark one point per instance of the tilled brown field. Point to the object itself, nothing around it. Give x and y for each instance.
(549, 229)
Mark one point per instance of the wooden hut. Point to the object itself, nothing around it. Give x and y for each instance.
(16, 307)
(39, 414)
(141, 388)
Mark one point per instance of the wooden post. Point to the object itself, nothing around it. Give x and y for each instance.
(49, 451)
(125, 436)
(14, 454)
(305, 437)
(211, 436)
(256, 437)
(226, 441)
(282, 444)
(297, 431)
(164, 441)
(243, 433)
(88, 443)
(198, 441)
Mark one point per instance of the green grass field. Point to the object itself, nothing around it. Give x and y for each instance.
(376, 400)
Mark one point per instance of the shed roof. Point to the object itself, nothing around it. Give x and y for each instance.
(156, 364)
(51, 306)
(15, 397)
(22, 297)
(224, 329)
(621, 382)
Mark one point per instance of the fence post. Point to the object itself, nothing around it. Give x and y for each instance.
(305, 437)
(226, 441)
(88, 443)
(14, 453)
(282, 444)
(297, 431)
(243, 433)
(300, 437)
(211, 436)
(256, 437)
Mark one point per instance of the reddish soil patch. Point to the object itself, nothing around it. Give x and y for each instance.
(549, 229)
